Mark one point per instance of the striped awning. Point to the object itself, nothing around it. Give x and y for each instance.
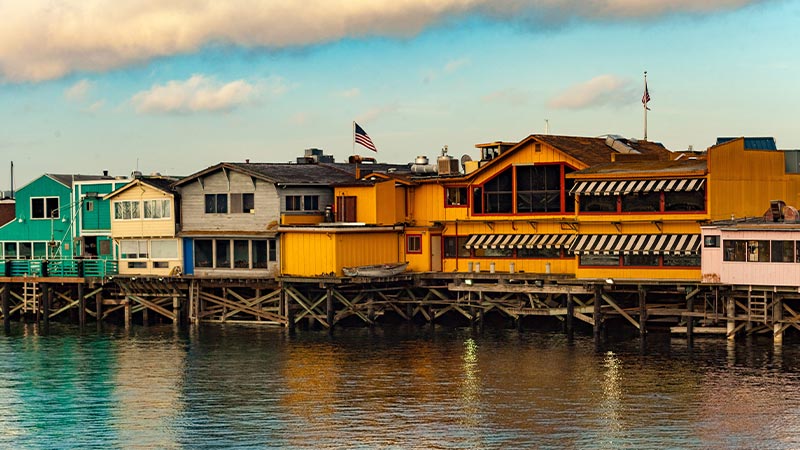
(636, 186)
(637, 244)
(519, 241)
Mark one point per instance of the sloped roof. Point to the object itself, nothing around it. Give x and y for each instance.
(594, 150)
(160, 183)
(630, 169)
(752, 143)
(68, 179)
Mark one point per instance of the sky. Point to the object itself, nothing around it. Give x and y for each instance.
(176, 86)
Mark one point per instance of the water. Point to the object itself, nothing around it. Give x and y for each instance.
(405, 387)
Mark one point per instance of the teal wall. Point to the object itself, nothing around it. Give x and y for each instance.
(41, 230)
(99, 218)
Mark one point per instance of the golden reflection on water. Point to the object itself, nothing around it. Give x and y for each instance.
(611, 406)
(471, 385)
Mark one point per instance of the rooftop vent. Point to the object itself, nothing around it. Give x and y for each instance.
(617, 143)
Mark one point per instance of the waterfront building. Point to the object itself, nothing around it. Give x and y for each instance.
(144, 220)
(60, 217)
(231, 212)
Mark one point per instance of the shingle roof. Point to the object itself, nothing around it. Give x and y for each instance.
(296, 174)
(595, 150)
(161, 183)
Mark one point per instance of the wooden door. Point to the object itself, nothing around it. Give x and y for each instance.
(436, 253)
(346, 209)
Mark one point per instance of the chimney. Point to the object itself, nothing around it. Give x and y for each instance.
(105, 173)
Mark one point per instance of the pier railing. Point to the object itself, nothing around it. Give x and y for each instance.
(58, 268)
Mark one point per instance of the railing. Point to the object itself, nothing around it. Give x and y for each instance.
(58, 268)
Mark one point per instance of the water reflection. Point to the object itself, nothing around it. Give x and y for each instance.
(392, 388)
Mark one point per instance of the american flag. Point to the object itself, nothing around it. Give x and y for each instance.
(362, 138)
(646, 96)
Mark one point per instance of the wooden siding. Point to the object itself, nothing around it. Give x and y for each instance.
(194, 217)
(333, 250)
(142, 227)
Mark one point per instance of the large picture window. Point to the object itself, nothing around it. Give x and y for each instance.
(235, 254)
(157, 209)
(454, 247)
(782, 251)
(456, 196)
(133, 249)
(498, 194)
(242, 203)
(539, 188)
(642, 202)
(164, 249)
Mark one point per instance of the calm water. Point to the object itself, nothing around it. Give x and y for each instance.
(405, 387)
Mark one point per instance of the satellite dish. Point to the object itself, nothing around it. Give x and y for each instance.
(464, 160)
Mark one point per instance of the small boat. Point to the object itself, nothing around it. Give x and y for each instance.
(378, 270)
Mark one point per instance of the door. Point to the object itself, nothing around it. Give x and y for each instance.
(436, 253)
(188, 257)
(346, 209)
(89, 247)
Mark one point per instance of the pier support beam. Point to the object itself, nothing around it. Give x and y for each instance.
(176, 310)
(329, 307)
(642, 312)
(98, 301)
(81, 306)
(690, 319)
(128, 314)
(568, 322)
(46, 292)
(730, 312)
(596, 313)
(4, 294)
(777, 319)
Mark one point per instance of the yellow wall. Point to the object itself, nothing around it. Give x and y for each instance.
(742, 182)
(142, 227)
(322, 252)
(656, 273)
(301, 219)
(376, 204)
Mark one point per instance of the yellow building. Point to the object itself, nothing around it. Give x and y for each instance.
(143, 225)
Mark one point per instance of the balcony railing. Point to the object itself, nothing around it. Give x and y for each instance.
(58, 268)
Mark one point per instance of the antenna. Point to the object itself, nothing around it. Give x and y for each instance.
(546, 126)
(12, 179)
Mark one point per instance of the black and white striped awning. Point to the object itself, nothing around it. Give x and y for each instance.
(636, 186)
(519, 241)
(637, 244)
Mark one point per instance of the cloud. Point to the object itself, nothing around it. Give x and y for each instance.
(349, 93)
(451, 66)
(198, 93)
(42, 39)
(603, 90)
(78, 91)
(376, 113)
(514, 97)
(95, 106)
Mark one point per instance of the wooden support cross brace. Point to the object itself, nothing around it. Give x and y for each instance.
(622, 312)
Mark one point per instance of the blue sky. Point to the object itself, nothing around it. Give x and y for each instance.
(177, 86)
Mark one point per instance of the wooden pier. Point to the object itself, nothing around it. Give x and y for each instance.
(677, 306)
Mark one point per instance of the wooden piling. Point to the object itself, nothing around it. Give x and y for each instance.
(568, 321)
(730, 313)
(176, 311)
(642, 312)
(98, 301)
(596, 313)
(128, 312)
(4, 294)
(777, 320)
(81, 306)
(46, 291)
(329, 306)
(690, 319)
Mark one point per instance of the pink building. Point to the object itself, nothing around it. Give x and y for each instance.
(753, 252)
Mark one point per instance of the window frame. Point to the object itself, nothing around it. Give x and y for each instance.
(464, 202)
(135, 214)
(411, 238)
(48, 212)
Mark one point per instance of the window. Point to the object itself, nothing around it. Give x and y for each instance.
(273, 250)
(456, 196)
(711, 241)
(133, 249)
(640, 260)
(539, 253)
(681, 260)
(782, 251)
(164, 248)
(241, 254)
(734, 250)
(259, 254)
(126, 210)
(10, 250)
(105, 247)
(642, 202)
(539, 188)
(216, 203)
(25, 250)
(758, 251)
(294, 202)
(157, 209)
(454, 247)
(599, 260)
(44, 208)
(414, 243)
(137, 264)
(203, 253)
(685, 201)
(242, 203)
(494, 253)
(89, 205)
(498, 194)
(160, 265)
(40, 250)
(598, 203)
(222, 257)
(311, 202)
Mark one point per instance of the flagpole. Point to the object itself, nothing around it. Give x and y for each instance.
(354, 137)
(644, 104)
